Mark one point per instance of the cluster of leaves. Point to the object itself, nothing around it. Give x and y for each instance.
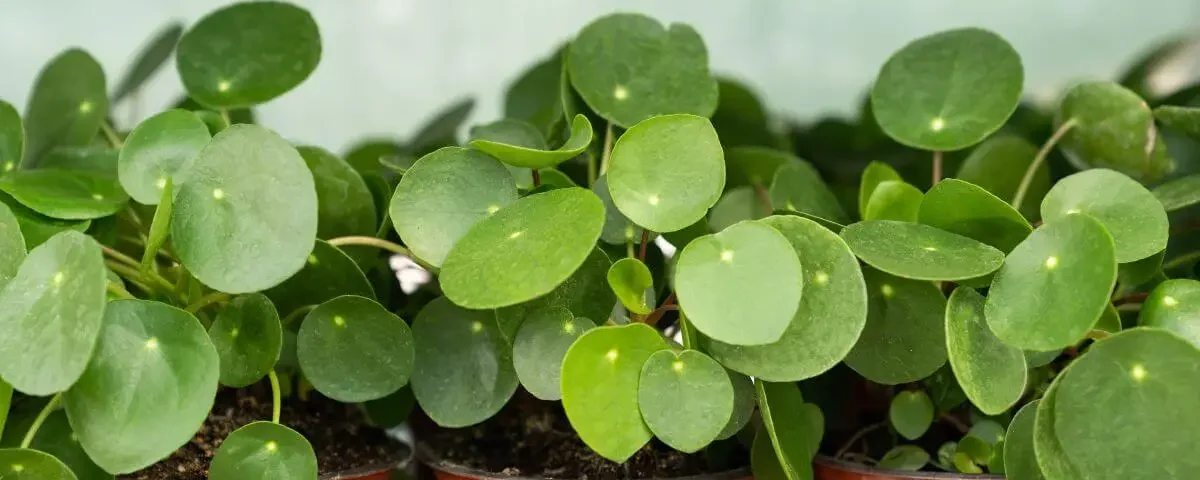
(261, 258)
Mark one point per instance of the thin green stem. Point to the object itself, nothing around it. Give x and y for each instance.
(41, 418)
(608, 144)
(111, 135)
(215, 297)
(120, 257)
(937, 167)
(1182, 261)
(160, 226)
(119, 290)
(381, 244)
(1030, 172)
(297, 313)
(629, 248)
(146, 278)
(225, 116)
(591, 169)
(276, 400)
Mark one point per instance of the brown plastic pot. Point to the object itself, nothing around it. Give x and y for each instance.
(826, 468)
(366, 473)
(443, 470)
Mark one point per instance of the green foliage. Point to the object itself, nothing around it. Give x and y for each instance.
(261, 450)
(911, 413)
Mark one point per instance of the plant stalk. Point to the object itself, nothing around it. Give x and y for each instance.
(109, 134)
(537, 178)
(207, 300)
(381, 244)
(857, 435)
(645, 240)
(607, 152)
(276, 401)
(1023, 188)
(937, 167)
(41, 418)
(119, 290)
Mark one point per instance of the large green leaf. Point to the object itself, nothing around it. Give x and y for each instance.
(1131, 214)
(443, 195)
(328, 273)
(686, 399)
(248, 338)
(911, 413)
(600, 378)
(1020, 461)
(874, 174)
(126, 422)
(526, 157)
(353, 350)
(37, 228)
(1102, 436)
(894, 200)
(163, 146)
(920, 252)
(949, 90)
(56, 438)
(1178, 193)
(1051, 459)
(748, 267)
(264, 450)
(248, 53)
(539, 346)
(1113, 128)
(903, 340)
(798, 187)
(344, 204)
(52, 315)
(998, 165)
(1185, 120)
(247, 217)
(1053, 286)
(153, 55)
(832, 311)
(463, 372)
(65, 194)
(12, 245)
(534, 97)
(627, 67)
(629, 279)
(67, 106)
(991, 373)
(1174, 305)
(12, 138)
(971, 211)
(584, 294)
(667, 171)
(562, 225)
(25, 464)
(789, 427)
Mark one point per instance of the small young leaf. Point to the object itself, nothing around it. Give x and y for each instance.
(1020, 461)
(798, 187)
(352, 349)
(911, 413)
(968, 210)
(1053, 286)
(1185, 120)
(976, 450)
(949, 90)
(875, 174)
(12, 138)
(629, 279)
(65, 194)
(560, 224)
(526, 157)
(1131, 214)
(998, 165)
(600, 378)
(328, 273)
(463, 372)
(248, 53)
(161, 147)
(894, 200)
(920, 252)
(667, 171)
(686, 399)
(746, 267)
(904, 340)
(539, 346)
(1174, 305)
(904, 457)
(1113, 128)
(25, 464)
(67, 106)
(264, 450)
(248, 338)
(152, 57)
(794, 433)
(991, 373)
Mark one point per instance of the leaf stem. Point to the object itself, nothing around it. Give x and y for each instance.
(1040, 158)
(276, 401)
(857, 435)
(299, 312)
(537, 177)
(958, 424)
(118, 290)
(607, 152)
(645, 240)
(765, 197)
(225, 116)
(207, 300)
(41, 418)
(1182, 261)
(657, 314)
(160, 226)
(937, 167)
(109, 134)
(381, 244)
(147, 278)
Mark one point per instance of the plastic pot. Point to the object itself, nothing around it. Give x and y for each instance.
(367, 473)
(826, 468)
(444, 470)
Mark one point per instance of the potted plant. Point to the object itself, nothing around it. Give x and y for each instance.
(1014, 319)
(182, 301)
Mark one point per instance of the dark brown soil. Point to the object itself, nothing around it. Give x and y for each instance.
(533, 438)
(337, 431)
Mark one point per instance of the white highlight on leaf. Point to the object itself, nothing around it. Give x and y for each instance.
(515, 234)
(727, 256)
(493, 209)
(569, 327)
(272, 446)
(218, 193)
(1072, 211)
(1138, 372)
(234, 333)
(611, 355)
(677, 366)
(223, 86)
(477, 327)
(929, 249)
(1170, 301)
(820, 278)
(653, 200)
(339, 321)
(151, 343)
(887, 290)
(161, 183)
(937, 124)
(1051, 262)
(97, 197)
(9, 166)
(85, 107)
(59, 277)
(620, 93)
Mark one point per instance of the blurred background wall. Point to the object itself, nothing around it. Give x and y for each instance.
(388, 64)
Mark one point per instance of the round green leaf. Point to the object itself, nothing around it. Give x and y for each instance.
(911, 413)
(1048, 450)
(328, 273)
(246, 219)
(264, 450)
(831, 315)
(127, 422)
(464, 370)
(795, 433)
(585, 294)
(12, 138)
(352, 349)
(25, 464)
(738, 204)
(94, 159)
(874, 174)
(163, 146)
(991, 373)
(1053, 286)
(1102, 436)
(748, 267)
(627, 67)
(56, 438)
(539, 346)
(52, 315)
(600, 376)
(667, 171)
(344, 204)
(1131, 214)
(920, 252)
(743, 405)
(798, 187)
(65, 194)
(629, 279)
(37, 228)
(904, 340)
(949, 90)
(1186, 120)
(1178, 193)
(894, 200)
(1174, 305)
(248, 338)
(443, 195)
(153, 55)
(1020, 461)
(904, 457)
(968, 210)
(525, 157)
(248, 53)
(685, 399)
(998, 165)
(534, 97)
(68, 103)
(12, 245)
(763, 461)
(618, 230)
(1113, 128)
(561, 224)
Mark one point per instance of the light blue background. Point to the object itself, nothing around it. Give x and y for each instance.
(389, 63)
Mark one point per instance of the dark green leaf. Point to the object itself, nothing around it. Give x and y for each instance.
(535, 97)
(353, 350)
(37, 228)
(1186, 120)
(1178, 193)
(904, 457)
(96, 160)
(991, 373)
(1113, 128)
(442, 128)
(904, 339)
(585, 293)
(1020, 461)
(67, 106)
(911, 413)
(248, 338)
(744, 401)
(523, 156)
(328, 273)
(798, 187)
(152, 57)
(618, 230)
(264, 450)
(12, 138)
(968, 210)
(748, 166)
(539, 346)
(738, 204)
(12, 245)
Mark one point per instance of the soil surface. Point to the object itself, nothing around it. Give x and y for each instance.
(533, 438)
(338, 433)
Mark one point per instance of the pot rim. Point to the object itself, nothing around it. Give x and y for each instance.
(425, 455)
(859, 468)
(387, 466)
